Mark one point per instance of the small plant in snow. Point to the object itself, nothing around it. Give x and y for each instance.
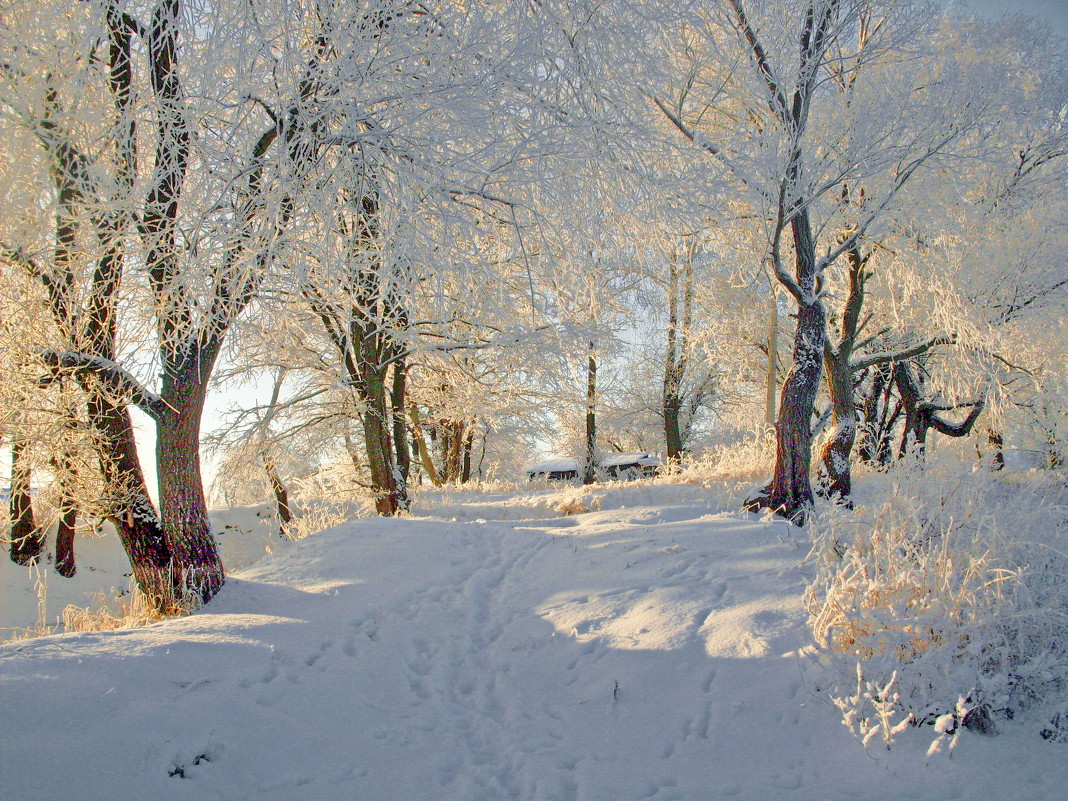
(872, 710)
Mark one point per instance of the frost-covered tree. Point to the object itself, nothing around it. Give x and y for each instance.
(802, 143)
(174, 138)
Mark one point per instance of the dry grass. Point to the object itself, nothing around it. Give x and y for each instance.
(950, 586)
(315, 516)
(134, 609)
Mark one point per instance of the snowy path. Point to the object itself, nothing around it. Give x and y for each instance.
(642, 653)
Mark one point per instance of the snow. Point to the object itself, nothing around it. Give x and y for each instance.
(652, 647)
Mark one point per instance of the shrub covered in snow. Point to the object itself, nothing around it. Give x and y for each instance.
(947, 597)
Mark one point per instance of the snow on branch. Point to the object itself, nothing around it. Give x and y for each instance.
(111, 373)
(701, 141)
(884, 357)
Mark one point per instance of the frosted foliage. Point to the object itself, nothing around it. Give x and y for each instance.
(948, 597)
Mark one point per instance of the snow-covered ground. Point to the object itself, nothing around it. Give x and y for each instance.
(487, 647)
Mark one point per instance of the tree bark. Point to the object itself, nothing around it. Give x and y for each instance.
(375, 415)
(772, 377)
(922, 415)
(425, 457)
(589, 470)
(183, 507)
(837, 451)
(838, 448)
(128, 505)
(398, 412)
(281, 495)
(27, 540)
(680, 311)
(469, 441)
(68, 518)
(789, 493)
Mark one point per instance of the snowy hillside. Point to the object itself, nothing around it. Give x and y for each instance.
(648, 648)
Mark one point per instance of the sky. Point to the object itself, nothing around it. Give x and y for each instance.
(1053, 11)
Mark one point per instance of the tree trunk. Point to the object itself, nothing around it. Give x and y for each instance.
(377, 442)
(916, 423)
(837, 449)
(27, 540)
(128, 505)
(398, 403)
(672, 432)
(837, 358)
(922, 415)
(790, 491)
(425, 457)
(183, 507)
(281, 494)
(68, 518)
(772, 378)
(452, 446)
(680, 306)
(589, 470)
(469, 442)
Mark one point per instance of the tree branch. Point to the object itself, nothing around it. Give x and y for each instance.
(111, 373)
(885, 357)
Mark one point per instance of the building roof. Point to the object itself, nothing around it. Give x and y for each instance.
(643, 458)
(554, 466)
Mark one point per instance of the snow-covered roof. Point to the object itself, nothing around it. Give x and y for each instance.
(643, 458)
(554, 466)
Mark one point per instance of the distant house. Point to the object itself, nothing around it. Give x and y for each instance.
(554, 470)
(630, 465)
(624, 466)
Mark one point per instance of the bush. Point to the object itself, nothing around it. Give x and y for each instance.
(947, 597)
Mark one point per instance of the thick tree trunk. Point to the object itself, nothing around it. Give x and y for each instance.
(128, 505)
(387, 494)
(790, 491)
(183, 507)
(27, 540)
(589, 469)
